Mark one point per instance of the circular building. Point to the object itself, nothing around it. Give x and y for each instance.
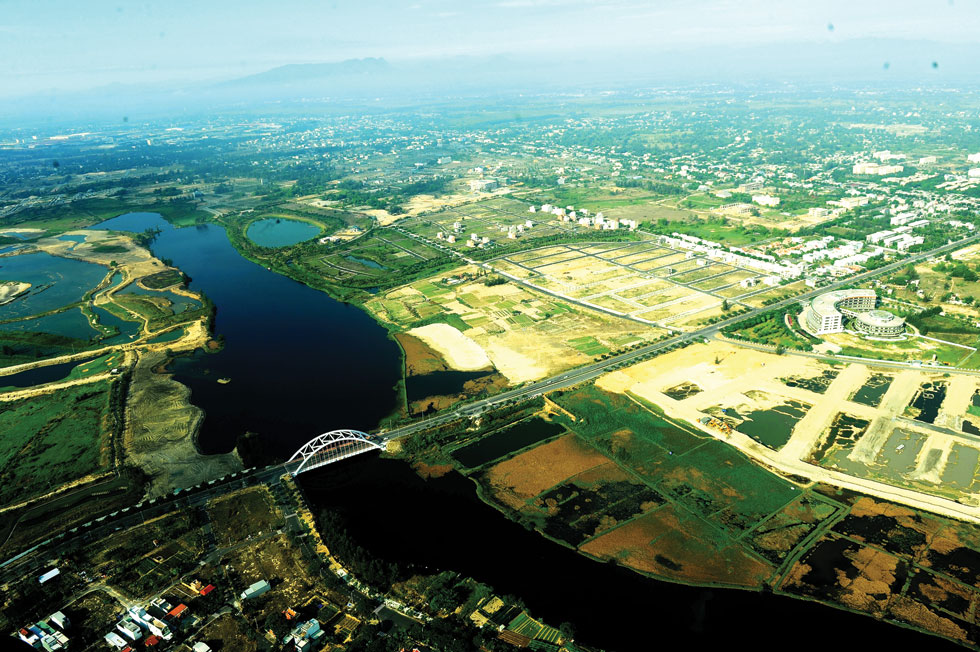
(880, 323)
(826, 312)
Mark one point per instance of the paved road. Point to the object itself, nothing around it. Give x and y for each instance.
(591, 371)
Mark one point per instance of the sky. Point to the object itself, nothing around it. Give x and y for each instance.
(49, 45)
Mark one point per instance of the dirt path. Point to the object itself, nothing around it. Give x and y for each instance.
(806, 435)
(958, 396)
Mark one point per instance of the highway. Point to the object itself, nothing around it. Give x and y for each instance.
(596, 369)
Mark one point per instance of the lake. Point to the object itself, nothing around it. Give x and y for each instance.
(280, 232)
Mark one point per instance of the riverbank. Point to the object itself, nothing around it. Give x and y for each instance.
(162, 427)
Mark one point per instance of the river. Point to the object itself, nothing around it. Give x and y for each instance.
(302, 363)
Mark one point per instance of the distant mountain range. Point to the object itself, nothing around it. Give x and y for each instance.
(377, 84)
(304, 73)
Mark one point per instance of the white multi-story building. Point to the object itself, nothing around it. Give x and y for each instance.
(766, 200)
(878, 236)
(886, 155)
(853, 202)
(902, 218)
(876, 168)
(826, 312)
(909, 241)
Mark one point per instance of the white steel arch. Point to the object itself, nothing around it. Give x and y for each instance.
(332, 447)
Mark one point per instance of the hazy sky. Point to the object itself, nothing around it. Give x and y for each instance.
(70, 44)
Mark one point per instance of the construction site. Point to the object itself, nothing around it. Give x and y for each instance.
(901, 434)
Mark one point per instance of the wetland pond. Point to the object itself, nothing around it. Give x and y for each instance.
(773, 427)
(928, 401)
(439, 383)
(506, 441)
(280, 232)
(55, 282)
(873, 390)
(40, 375)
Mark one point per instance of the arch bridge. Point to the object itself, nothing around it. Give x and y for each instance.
(332, 447)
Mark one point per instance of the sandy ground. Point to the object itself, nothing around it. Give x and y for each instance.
(10, 290)
(746, 379)
(521, 351)
(459, 351)
(520, 367)
(958, 396)
(135, 261)
(429, 203)
(161, 427)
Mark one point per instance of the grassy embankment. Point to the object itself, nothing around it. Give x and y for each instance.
(86, 212)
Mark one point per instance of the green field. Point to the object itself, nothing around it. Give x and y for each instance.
(588, 345)
(163, 279)
(52, 439)
(705, 512)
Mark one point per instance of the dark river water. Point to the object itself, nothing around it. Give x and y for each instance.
(301, 364)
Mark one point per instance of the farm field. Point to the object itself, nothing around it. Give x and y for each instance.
(145, 559)
(226, 630)
(92, 616)
(524, 334)
(644, 280)
(272, 559)
(895, 564)
(630, 486)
